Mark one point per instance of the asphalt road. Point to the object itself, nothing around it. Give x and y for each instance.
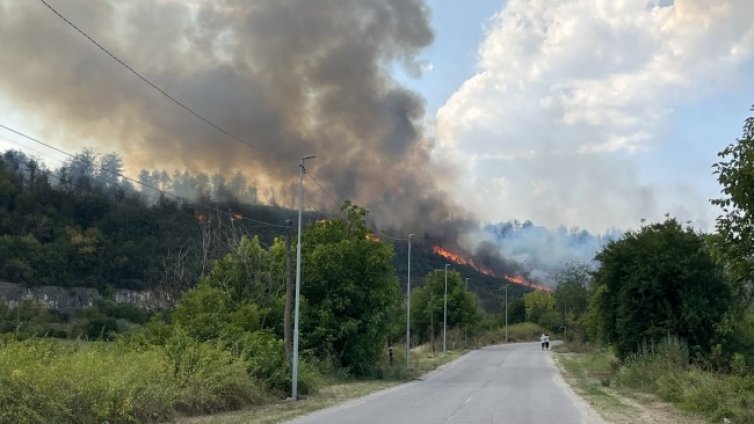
(516, 383)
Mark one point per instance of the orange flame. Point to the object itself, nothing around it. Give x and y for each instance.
(201, 217)
(518, 279)
(460, 260)
(373, 238)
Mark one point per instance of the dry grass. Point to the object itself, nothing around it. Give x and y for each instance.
(588, 374)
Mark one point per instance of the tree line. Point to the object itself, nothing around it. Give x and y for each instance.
(83, 225)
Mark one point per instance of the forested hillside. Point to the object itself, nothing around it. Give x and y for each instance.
(83, 225)
(76, 227)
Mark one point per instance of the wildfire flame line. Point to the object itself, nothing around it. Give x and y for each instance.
(460, 260)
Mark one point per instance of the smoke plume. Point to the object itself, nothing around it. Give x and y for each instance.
(290, 77)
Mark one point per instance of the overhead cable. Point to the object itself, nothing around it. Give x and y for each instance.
(127, 178)
(150, 83)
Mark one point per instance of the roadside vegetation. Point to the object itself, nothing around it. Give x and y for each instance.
(224, 346)
(130, 381)
(45, 380)
(664, 310)
(665, 373)
(336, 389)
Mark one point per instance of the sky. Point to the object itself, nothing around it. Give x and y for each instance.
(595, 114)
(588, 113)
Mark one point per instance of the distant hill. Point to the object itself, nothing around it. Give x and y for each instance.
(423, 261)
(70, 229)
(60, 228)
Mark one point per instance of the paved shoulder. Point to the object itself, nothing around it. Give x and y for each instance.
(515, 383)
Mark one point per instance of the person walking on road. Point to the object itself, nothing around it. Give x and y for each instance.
(547, 341)
(542, 340)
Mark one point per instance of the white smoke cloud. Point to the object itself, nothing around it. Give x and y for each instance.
(571, 94)
(543, 251)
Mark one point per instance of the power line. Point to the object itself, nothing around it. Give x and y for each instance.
(10, 140)
(327, 193)
(167, 95)
(148, 82)
(30, 138)
(127, 178)
(382, 234)
(28, 166)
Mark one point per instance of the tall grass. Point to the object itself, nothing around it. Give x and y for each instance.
(45, 381)
(664, 369)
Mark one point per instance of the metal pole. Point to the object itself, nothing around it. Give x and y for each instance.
(432, 318)
(445, 314)
(464, 321)
(408, 307)
(565, 323)
(506, 313)
(287, 339)
(294, 377)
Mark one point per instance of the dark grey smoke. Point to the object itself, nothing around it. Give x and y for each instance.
(293, 77)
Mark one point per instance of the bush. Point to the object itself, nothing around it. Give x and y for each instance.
(663, 369)
(265, 356)
(29, 319)
(209, 378)
(45, 381)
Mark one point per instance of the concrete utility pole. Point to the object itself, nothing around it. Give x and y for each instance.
(288, 292)
(294, 377)
(464, 321)
(506, 313)
(445, 314)
(408, 307)
(432, 318)
(565, 323)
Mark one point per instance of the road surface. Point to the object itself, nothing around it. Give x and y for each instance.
(515, 383)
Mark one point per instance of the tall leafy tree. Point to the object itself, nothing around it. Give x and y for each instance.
(109, 170)
(247, 273)
(735, 226)
(572, 296)
(427, 304)
(660, 280)
(81, 169)
(734, 241)
(350, 289)
(541, 309)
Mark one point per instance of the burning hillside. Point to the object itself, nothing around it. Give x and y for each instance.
(479, 265)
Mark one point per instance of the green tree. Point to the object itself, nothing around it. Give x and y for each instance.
(660, 280)
(572, 296)
(427, 303)
(735, 239)
(516, 310)
(540, 309)
(211, 314)
(248, 273)
(350, 291)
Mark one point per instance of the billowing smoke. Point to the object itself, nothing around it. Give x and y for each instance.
(290, 77)
(543, 251)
